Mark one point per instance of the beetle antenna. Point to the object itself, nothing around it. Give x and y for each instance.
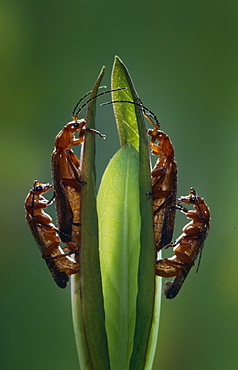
(94, 97)
(146, 112)
(88, 93)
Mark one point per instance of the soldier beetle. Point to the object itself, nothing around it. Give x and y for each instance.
(164, 186)
(188, 246)
(67, 175)
(46, 235)
(163, 180)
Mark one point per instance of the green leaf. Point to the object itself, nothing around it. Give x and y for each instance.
(126, 114)
(155, 322)
(119, 225)
(87, 290)
(130, 122)
(81, 343)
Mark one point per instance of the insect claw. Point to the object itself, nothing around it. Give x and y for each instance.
(96, 132)
(181, 208)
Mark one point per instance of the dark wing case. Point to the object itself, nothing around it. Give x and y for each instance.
(63, 208)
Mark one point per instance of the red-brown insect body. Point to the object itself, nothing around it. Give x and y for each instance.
(67, 182)
(187, 246)
(46, 235)
(164, 187)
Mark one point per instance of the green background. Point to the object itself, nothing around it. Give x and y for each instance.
(183, 58)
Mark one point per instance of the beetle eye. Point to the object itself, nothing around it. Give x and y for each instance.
(38, 188)
(193, 199)
(76, 124)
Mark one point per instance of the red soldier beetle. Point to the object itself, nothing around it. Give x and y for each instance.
(163, 180)
(164, 186)
(67, 175)
(46, 235)
(188, 246)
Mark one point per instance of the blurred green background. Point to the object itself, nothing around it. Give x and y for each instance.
(183, 59)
